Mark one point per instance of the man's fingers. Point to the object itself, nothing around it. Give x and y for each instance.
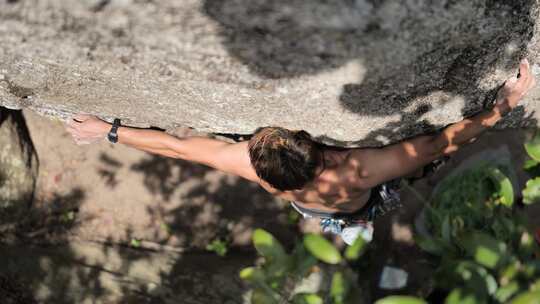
(511, 82)
(524, 68)
(523, 77)
(73, 123)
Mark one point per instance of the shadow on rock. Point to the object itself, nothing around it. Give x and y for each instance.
(408, 51)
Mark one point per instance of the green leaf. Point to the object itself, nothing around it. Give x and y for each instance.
(503, 294)
(504, 186)
(251, 274)
(478, 281)
(268, 246)
(303, 261)
(461, 296)
(485, 250)
(353, 252)
(531, 193)
(431, 245)
(70, 216)
(307, 298)
(247, 273)
(218, 246)
(509, 272)
(532, 297)
(165, 227)
(135, 243)
(322, 249)
(490, 281)
(527, 244)
(260, 296)
(529, 164)
(533, 148)
(531, 270)
(401, 300)
(277, 269)
(338, 289)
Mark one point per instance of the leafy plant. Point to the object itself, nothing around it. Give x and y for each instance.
(218, 246)
(67, 217)
(283, 277)
(485, 250)
(400, 300)
(135, 243)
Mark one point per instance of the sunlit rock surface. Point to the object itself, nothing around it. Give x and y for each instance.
(358, 72)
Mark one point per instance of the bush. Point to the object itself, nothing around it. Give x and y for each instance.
(485, 251)
(285, 278)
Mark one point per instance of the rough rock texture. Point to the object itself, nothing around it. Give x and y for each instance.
(358, 72)
(18, 163)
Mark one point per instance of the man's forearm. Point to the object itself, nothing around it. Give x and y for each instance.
(508, 97)
(465, 131)
(194, 148)
(147, 140)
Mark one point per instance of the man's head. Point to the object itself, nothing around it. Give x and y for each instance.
(285, 159)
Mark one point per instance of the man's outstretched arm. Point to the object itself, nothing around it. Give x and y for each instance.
(224, 156)
(379, 165)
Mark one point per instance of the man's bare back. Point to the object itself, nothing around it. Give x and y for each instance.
(338, 188)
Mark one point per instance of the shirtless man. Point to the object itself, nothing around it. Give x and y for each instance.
(334, 185)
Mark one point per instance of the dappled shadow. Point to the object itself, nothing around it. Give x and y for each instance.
(109, 168)
(163, 175)
(13, 292)
(415, 124)
(202, 203)
(45, 271)
(219, 274)
(49, 218)
(197, 205)
(407, 52)
(228, 205)
(279, 39)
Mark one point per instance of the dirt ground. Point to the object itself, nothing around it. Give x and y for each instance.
(114, 195)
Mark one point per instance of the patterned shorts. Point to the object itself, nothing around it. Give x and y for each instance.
(383, 199)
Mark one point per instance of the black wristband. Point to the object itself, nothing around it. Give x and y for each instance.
(112, 136)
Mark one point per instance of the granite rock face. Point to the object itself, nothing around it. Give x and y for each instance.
(351, 72)
(18, 164)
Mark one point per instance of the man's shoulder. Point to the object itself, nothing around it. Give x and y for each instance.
(356, 159)
(234, 158)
